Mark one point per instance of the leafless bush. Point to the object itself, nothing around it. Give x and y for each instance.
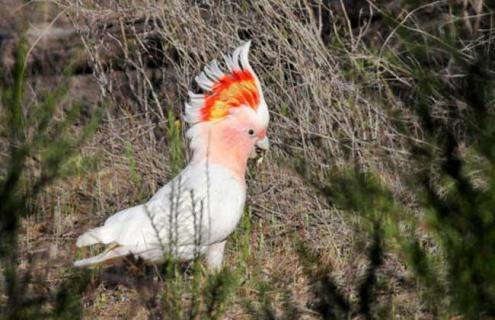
(328, 71)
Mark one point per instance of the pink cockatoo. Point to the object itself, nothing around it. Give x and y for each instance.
(195, 213)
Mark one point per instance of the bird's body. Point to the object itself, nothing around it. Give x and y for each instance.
(197, 209)
(195, 212)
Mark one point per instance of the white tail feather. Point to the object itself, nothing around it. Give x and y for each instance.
(90, 237)
(107, 256)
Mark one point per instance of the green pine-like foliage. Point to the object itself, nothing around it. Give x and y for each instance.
(443, 231)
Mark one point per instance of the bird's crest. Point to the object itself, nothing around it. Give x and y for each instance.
(224, 91)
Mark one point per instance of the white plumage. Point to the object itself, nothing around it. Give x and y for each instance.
(197, 209)
(195, 212)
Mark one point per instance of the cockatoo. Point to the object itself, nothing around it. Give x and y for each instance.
(195, 213)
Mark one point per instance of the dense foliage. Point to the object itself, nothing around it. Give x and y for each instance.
(385, 110)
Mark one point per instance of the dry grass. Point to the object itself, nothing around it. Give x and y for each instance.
(142, 58)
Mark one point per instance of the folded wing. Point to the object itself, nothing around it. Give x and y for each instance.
(173, 221)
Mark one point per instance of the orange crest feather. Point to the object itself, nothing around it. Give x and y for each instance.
(231, 91)
(223, 91)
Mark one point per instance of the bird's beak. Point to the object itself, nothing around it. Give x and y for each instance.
(263, 144)
(260, 147)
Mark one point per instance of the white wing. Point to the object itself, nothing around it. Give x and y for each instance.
(179, 219)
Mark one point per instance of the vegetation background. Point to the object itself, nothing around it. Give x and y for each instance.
(376, 200)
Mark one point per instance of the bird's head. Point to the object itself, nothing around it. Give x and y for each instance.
(230, 118)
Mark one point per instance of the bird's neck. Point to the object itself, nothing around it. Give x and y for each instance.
(225, 148)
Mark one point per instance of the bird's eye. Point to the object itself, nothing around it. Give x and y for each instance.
(251, 132)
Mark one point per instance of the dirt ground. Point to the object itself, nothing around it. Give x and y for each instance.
(136, 60)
